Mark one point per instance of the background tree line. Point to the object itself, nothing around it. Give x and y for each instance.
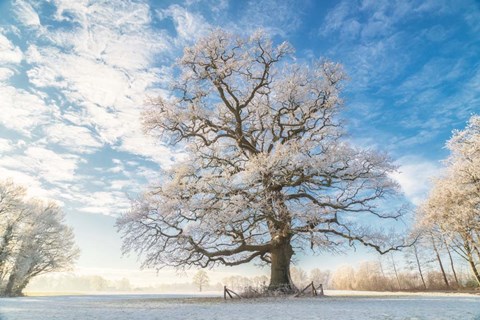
(33, 239)
(398, 271)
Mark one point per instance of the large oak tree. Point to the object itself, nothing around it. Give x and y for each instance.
(266, 169)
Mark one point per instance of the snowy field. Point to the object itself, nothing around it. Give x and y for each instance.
(336, 306)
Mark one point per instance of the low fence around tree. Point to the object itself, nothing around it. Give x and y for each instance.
(315, 291)
(253, 293)
(229, 292)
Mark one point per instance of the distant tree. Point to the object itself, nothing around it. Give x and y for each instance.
(241, 283)
(260, 282)
(200, 279)
(320, 277)
(35, 239)
(266, 165)
(299, 277)
(98, 283)
(368, 276)
(123, 285)
(453, 206)
(343, 278)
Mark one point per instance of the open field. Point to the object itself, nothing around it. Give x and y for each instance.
(337, 305)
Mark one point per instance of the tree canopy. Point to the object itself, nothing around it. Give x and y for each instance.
(267, 168)
(33, 239)
(453, 206)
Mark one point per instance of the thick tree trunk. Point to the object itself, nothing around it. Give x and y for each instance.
(280, 268)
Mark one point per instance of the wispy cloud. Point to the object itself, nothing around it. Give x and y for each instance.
(26, 14)
(413, 68)
(415, 176)
(5, 145)
(188, 25)
(76, 139)
(81, 92)
(23, 111)
(276, 17)
(43, 163)
(9, 53)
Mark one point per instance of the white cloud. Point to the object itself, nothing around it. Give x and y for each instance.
(9, 53)
(120, 184)
(415, 176)
(116, 34)
(34, 187)
(76, 139)
(103, 66)
(43, 163)
(5, 145)
(26, 14)
(52, 166)
(6, 73)
(142, 145)
(100, 66)
(336, 18)
(189, 25)
(81, 79)
(23, 111)
(105, 202)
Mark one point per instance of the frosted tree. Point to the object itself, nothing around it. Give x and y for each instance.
(453, 206)
(368, 276)
(201, 279)
(45, 245)
(343, 278)
(34, 241)
(320, 277)
(12, 212)
(266, 165)
(299, 277)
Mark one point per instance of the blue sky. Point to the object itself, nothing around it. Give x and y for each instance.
(74, 75)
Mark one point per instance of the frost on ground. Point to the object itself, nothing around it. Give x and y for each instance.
(174, 307)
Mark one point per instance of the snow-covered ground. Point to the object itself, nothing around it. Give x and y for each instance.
(336, 305)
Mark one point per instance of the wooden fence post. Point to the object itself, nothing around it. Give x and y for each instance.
(229, 292)
(321, 289)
